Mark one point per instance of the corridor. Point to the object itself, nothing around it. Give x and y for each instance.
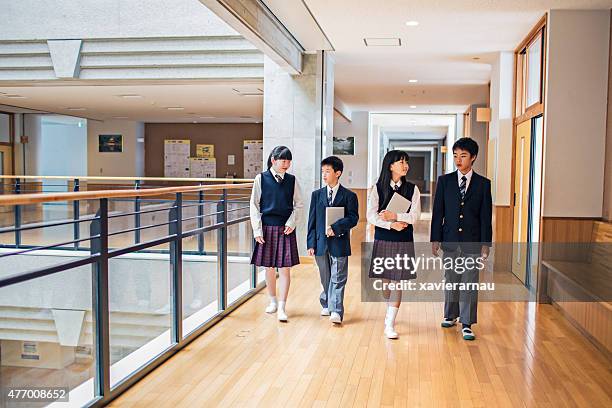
(526, 354)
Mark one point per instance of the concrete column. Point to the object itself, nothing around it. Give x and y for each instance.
(298, 113)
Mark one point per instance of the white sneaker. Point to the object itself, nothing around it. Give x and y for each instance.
(335, 318)
(325, 312)
(196, 304)
(281, 315)
(390, 332)
(272, 307)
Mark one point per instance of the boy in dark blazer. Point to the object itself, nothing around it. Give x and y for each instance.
(461, 225)
(331, 244)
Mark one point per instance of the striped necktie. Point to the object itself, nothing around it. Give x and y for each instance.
(462, 187)
(395, 187)
(330, 197)
(279, 178)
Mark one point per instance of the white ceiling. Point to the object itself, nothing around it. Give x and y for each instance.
(202, 102)
(438, 52)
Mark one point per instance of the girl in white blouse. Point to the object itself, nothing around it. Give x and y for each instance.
(394, 234)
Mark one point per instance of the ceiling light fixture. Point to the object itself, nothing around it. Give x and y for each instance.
(120, 117)
(382, 42)
(130, 96)
(412, 106)
(412, 23)
(413, 81)
(76, 109)
(15, 96)
(175, 108)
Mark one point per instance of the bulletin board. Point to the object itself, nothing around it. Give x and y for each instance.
(176, 158)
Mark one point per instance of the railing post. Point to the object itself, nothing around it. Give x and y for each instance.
(137, 214)
(76, 215)
(222, 253)
(201, 221)
(175, 223)
(17, 215)
(100, 296)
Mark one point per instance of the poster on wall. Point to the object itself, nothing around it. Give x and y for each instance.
(110, 143)
(205, 150)
(344, 146)
(203, 167)
(253, 158)
(176, 158)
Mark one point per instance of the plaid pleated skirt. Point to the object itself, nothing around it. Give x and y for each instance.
(278, 250)
(390, 249)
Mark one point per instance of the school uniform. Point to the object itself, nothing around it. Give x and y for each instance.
(461, 222)
(388, 242)
(275, 202)
(331, 253)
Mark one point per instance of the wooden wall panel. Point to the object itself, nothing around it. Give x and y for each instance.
(502, 233)
(227, 137)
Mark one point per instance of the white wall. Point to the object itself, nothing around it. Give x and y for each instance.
(63, 146)
(129, 163)
(355, 167)
(56, 146)
(575, 116)
(500, 127)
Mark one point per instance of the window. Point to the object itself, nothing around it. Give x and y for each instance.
(530, 68)
(534, 71)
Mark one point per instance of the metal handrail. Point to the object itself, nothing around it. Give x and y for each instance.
(99, 254)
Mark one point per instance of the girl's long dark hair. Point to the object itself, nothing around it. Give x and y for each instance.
(384, 180)
(279, 153)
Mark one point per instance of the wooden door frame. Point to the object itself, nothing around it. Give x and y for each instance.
(530, 112)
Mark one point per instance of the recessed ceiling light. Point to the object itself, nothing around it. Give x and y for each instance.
(208, 117)
(175, 108)
(412, 23)
(382, 42)
(15, 96)
(75, 109)
(132, 96)
(120, 117)
(413, 81)
(412, 106)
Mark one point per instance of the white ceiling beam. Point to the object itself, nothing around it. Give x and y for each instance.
(255, 22)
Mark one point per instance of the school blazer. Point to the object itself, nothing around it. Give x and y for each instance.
(340, 244)
(462, 223)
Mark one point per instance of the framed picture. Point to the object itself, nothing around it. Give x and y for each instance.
(344, 146)
(110, 143)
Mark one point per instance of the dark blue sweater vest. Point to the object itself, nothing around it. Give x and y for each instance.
(382, 234)
(276, 202)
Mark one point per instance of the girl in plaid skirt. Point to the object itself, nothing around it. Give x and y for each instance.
(274, 209)
(393, 232)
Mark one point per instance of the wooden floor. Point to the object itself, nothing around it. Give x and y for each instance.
(525, 355)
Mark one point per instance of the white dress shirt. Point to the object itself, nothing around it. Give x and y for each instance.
(468, 176)
(334, 191)
(411, 217)
(254, 209)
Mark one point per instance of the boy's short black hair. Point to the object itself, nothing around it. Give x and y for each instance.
(468, 144)
(334, 162)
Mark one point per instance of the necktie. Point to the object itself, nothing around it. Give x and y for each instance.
(330, 197)
(279, 178)
(462, 187)
(395, 187)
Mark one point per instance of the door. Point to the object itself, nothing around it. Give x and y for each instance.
(522, 173)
